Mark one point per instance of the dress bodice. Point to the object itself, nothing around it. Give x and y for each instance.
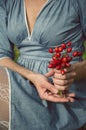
(56, 23)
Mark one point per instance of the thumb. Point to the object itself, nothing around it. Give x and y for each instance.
(50, 73)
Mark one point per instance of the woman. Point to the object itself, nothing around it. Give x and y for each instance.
(34, 26)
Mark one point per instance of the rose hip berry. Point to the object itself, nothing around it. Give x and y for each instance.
(63, 46)
(63, 65)
(64, 59)
(75, 54)
(69, 44)
(58, 67)
(50, 50)
(58, 54)
(62, 72)
(80, 53)
(56, 49)
(50, 66)
(60, 49)
(69, 50)
(69, 59)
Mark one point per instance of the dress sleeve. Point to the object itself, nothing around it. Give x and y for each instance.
(5, 45)
(81, 6)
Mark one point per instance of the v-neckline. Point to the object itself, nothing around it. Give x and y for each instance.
(30, 34)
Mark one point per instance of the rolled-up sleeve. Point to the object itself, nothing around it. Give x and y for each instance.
(81, 6)
(6, 48)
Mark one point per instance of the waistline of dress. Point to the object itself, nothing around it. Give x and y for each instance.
(34, 57)
(44, 58)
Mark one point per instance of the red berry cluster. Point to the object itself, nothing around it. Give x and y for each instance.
(62, 56)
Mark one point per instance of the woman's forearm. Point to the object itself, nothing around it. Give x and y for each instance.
(80, 69)
(9, 63)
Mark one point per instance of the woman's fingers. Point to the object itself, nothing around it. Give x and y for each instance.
(50, 87)
(52, 98)
(50, 73)
(61, 82)
(65, 76)
(67, 70)
(71, 97)
(46, 94)
(61, 87)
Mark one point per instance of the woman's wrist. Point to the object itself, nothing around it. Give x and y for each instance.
(31, 76)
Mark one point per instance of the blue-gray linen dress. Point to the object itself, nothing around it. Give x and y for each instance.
(58, 21)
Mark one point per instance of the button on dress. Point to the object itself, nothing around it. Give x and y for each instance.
(59, 21)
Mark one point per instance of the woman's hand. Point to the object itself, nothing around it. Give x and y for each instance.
(47, 91)
(63, 82)
(75, 72)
